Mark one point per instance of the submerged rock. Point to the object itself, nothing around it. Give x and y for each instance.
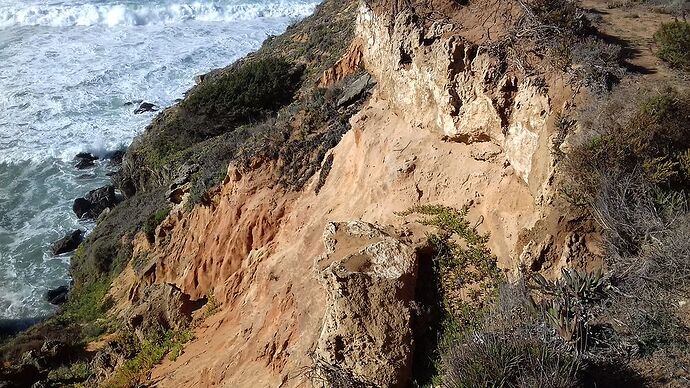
(133, 102)
(145, 107)
(370, 279)
(68, 243)
(95, 202)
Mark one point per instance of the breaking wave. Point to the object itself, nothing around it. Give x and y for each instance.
(137, 14)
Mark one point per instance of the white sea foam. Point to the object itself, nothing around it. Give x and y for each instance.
(68, 68)
(137, 14)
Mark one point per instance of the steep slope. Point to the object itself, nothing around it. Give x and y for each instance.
(440, 129)
(296, 221)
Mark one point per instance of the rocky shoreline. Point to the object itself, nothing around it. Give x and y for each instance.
(94, 204)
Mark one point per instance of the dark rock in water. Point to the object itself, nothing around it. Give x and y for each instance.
(84, 164)
(356, 90)
(68, 243)
(101, 199)
(95, 202)
(56, 296)
(81, 207)
(86, 155)
(145, 107)
(133, 102)
(85, 160)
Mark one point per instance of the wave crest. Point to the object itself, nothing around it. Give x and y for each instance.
(141, 15)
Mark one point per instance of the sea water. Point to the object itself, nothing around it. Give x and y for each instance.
(67, 71)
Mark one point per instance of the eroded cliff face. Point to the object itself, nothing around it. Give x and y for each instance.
(439, 79)
(446, 125)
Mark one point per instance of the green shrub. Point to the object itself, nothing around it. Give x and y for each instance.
(651, 144)
(458, 280)
(247, 92)
(467, 266)
(149, 353)
(77, 372)
(212, 305)
(87, 303)
(673, 40)
(153, 221)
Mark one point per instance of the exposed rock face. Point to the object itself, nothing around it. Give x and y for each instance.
(348, 64)
(370, 280)
(362, 85)
(436, 77)
(163, 307)
(181, 185)
(68, 243)
(248, 243)
(110, 358)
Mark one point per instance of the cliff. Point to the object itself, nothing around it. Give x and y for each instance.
(321, 212)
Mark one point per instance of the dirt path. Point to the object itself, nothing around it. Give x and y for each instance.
(634, 28)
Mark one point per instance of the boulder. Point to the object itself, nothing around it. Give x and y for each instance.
(181, 185)
(110, 357)
(95, 202)
(356, 90)
(68, 243)
(145, 107)
(162, 307)
(369, 277)
(85, 160)
(56, 296)
(116, 157)
(81, 207)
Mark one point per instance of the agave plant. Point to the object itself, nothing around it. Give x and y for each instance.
(569, 300)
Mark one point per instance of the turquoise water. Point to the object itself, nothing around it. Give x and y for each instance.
(67, 68)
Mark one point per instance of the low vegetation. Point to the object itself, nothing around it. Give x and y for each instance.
(631, 172)
(248, 91)
(148, 354)
(153, 221)
(475, 330)
(87, 303)
(459, 280)
(673, 41)
(510, 346)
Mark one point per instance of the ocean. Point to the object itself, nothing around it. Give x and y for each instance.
(67, 71)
